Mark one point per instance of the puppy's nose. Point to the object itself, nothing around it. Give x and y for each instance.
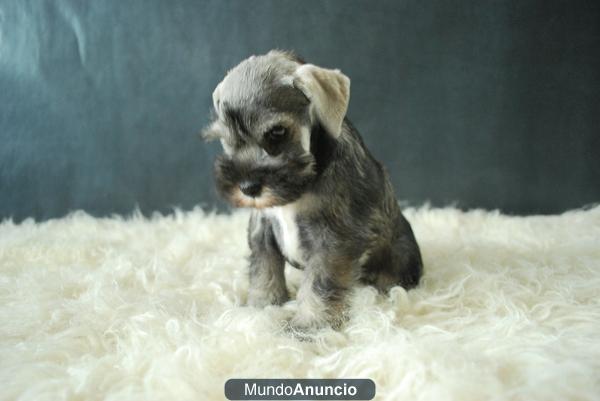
(251, 188)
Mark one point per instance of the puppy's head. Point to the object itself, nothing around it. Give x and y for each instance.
(265, 111)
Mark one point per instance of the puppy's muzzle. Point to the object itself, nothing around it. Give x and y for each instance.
(247, 184)
(251, 188)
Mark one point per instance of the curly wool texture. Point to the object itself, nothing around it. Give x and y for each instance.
(135, 308)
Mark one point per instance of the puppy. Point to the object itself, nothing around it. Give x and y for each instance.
(320, 201)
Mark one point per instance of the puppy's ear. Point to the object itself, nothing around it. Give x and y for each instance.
(328, 92)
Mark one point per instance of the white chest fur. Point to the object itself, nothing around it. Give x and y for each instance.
(287, 235)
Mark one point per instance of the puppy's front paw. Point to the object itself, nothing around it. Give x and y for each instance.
(302, 324)
(316, 313)
(309, 321)
(262, 298)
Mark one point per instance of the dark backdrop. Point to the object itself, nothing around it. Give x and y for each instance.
(491, 104)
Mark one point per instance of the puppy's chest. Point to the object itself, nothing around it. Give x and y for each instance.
(287, 233)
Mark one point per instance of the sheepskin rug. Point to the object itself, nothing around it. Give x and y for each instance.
(153, 309)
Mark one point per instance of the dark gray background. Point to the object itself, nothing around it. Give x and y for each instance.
(491, 104)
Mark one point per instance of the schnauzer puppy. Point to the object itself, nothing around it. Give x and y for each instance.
(320, 200)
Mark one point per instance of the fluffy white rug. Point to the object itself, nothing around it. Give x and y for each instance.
(135, 308)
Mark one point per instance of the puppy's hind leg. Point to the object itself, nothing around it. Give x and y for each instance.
(389, 267)
(266, 271)
(406, 255)
(395, 263)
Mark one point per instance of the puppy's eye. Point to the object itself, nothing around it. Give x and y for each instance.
(274, 140)
(276, 134)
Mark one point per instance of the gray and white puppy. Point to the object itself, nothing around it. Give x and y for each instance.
(320, 200)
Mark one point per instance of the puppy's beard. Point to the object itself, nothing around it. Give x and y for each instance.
(266, 199)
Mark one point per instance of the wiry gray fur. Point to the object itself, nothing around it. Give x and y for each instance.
(325, 204)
